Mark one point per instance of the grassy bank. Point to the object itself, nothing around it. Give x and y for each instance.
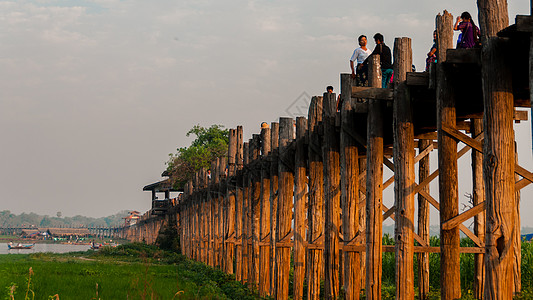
(128, 272)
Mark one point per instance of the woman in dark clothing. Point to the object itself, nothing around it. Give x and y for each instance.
(469, 30)
(432, 54)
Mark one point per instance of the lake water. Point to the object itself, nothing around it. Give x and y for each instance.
(55, 248)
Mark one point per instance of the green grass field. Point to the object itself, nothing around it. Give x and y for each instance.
(130, 272)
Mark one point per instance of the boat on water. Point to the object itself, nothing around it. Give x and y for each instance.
(20, 246)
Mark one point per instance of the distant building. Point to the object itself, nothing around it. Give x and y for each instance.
(132, 219)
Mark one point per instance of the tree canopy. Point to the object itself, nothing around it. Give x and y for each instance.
(209, 144)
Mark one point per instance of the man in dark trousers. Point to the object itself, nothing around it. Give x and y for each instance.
(385, 57)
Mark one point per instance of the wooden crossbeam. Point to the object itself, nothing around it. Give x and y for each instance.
(372, 93)
(475, 144)
(524, 23)
(460, 218)
(389, 213)
(519, 115)
(522, 183)
(463, 228)
(424, 152)
(417, 78)
(388, 163)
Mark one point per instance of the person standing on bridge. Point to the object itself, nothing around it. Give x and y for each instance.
(358, 57)
(385, 56)
(469, 31)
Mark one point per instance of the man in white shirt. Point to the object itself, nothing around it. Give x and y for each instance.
(359, 55)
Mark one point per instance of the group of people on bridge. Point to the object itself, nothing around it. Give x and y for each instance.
(468, 38)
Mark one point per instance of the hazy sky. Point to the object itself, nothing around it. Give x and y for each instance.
(95, 94)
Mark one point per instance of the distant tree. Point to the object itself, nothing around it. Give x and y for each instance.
(58, 214)
(210, 143)
(45, 222)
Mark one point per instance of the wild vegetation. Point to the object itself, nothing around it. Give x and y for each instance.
(139, 271)
(133, 271)
(209, 144)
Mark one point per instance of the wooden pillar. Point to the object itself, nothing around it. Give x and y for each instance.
(315, 212)
(245, 210)
(285, 198)
(448, 185)
(517, 239)
(231, 194)
(331, 155)
(255, 203)
(300, 202)
(374, 185)
(498, 151)
(264, 219)
(222, 163)
(274, 157)
(238, 206)
(478, 196)
(216, 216)
(350, 195)
(423, 222)
(211, 217)
(196, 220)
(404, 171)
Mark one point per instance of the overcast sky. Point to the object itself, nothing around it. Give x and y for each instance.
(95, 94)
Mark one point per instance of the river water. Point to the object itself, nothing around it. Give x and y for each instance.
(55, 248)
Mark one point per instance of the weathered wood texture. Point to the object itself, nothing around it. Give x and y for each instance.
(448, 185)
(255, 206)
(374, 186)
(332, 193)
(498, 151)
(230, 203)
(349, 154)
(285, 205)
(315, 212)
(274, 140)
(478, 196)
(300, 203)
(245, 212)
(423, 221)
(264, 219)
(239, 196)
(404, 171)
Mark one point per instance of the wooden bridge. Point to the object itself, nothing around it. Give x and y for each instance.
(314, 185)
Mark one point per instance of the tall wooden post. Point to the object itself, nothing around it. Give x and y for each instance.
(245, 210)
(255, 203)
(211, 260)
(238, 206)
(331, 155)
(478, 196)
(300, 201)
(423, 222)
(223, 162)
(315, 214)
(216, 215)
(517, 239)
(231, 194)
(374, 185)
(404, 171)
(264, 221)
(498, 151)
(285, 196)
(274, 140)
(350, 195)
(448, 186)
